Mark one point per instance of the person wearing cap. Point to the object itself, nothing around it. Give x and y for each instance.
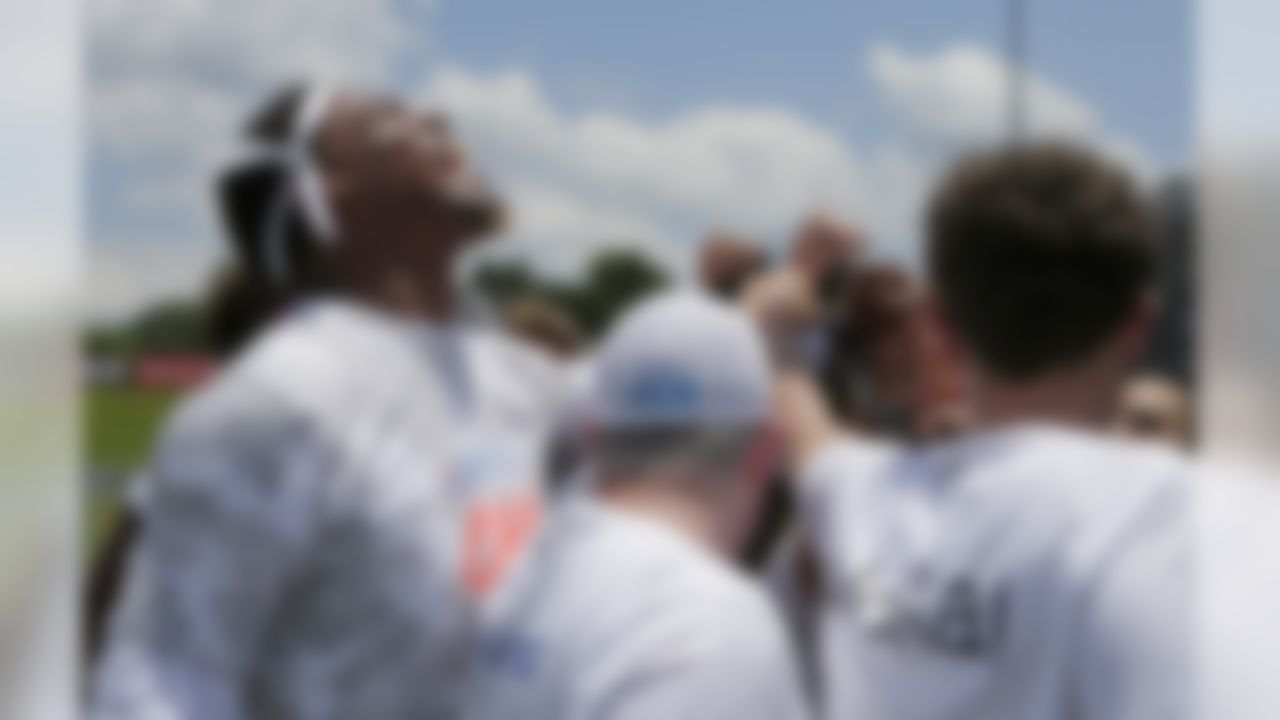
(637, 610)
(322, 522)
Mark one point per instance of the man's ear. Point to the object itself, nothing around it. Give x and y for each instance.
(944, 329)
(763, 455)
(1130, 340)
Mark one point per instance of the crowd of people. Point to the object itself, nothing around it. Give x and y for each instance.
(820, 486)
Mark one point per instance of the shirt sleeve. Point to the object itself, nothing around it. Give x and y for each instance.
(834, 489)
(1137, 640)
(226, 517)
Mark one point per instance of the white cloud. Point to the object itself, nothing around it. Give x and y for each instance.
(579, 181)
(556, 231)
(170, 81)
(959, 96)
(132, 275)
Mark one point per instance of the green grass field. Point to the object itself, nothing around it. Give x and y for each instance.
(121, 425)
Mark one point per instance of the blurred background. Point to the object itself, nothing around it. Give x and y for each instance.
(622, 135)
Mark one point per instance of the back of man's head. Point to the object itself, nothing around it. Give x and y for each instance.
(681, 401)
(1040, 254)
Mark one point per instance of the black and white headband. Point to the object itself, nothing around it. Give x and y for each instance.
(302, 188)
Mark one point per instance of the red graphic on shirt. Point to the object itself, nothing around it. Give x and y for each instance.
(494, 533)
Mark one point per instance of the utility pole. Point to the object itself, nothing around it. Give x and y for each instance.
(1016, 18)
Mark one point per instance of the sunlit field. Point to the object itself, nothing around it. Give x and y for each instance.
(120, 425)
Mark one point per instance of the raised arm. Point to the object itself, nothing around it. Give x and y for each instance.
(788, 314)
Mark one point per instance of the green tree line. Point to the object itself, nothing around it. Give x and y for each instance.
(611, 281)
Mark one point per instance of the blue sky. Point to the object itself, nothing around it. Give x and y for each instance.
(1131, 59)
(645, 121)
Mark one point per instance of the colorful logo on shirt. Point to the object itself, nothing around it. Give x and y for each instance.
(497, 484)
(495, 532)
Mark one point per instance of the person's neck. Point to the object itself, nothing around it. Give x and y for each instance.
(403, 294)
(663, 502)
(408, 297)
(1067, 398)
(421, 290)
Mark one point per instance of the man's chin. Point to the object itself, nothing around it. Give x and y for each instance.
(481, 218)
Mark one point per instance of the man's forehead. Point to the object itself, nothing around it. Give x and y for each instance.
(352, 105)
(355, 107)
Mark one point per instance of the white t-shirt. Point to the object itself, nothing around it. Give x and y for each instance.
(322, 522)
(628, 620)
(1027, 573)
(1238, 628)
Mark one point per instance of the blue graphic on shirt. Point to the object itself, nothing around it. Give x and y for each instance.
(492, 465)
(510, 654)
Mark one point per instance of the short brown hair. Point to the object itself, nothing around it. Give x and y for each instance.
(880, 300)
(1038, 253)
(728, 263)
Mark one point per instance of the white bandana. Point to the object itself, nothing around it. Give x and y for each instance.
(303, 186)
